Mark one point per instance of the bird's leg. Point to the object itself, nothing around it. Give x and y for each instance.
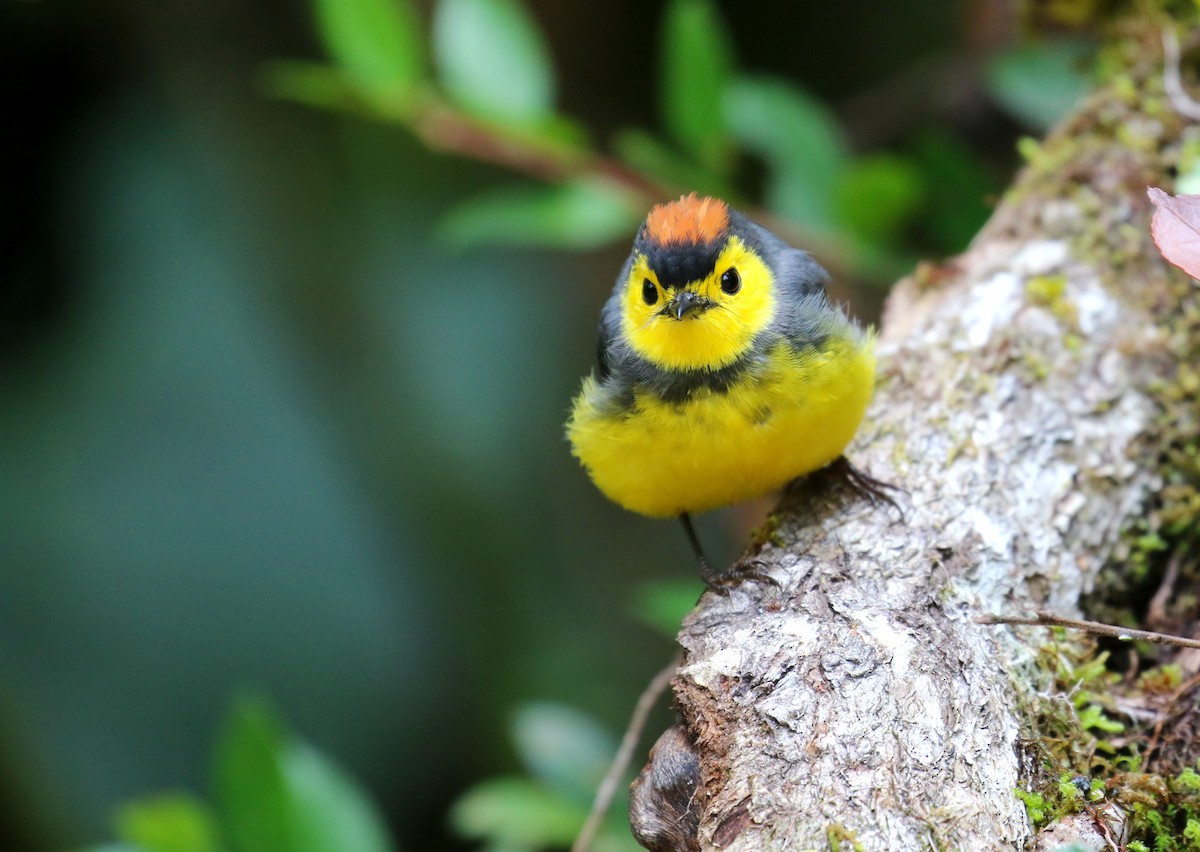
(708, 573)
(716, 581)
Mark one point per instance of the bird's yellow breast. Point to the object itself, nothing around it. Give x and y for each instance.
(793, 413)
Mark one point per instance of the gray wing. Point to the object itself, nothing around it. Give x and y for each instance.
(609, 348)
(793, 265)
(809, 318)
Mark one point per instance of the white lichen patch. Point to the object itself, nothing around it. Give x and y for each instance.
(991, 304)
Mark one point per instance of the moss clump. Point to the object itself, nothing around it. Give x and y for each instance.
(1069, 795)
(1100, 744)
(1163, 812)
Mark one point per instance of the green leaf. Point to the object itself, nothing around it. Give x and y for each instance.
(329, 810)
(516, 812)
(878, 195)
(168, 823)
(492, 60)
(250, 792)
(801, 143)
(564, 748)
(276, 794)
(376, 42)
(1039, 83)
(663, 604)
(696, 67)
(579, 215)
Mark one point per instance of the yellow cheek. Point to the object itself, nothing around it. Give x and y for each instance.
(709, 340)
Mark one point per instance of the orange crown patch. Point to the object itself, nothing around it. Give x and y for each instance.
(688, 221)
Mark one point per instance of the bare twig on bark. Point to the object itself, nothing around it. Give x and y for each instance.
(1096, 628)
(1172, 80)
(620, 764)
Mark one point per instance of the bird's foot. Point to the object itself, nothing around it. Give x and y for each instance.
(861, 484)
(748, 569)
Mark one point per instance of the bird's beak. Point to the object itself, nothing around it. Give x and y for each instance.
(685, 302)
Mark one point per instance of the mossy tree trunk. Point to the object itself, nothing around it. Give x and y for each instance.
(1019, 406)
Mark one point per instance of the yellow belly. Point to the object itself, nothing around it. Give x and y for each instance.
(661, 458)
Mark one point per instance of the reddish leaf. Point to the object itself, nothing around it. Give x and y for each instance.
(1176, 228)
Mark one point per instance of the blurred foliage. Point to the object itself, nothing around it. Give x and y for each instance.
(662, 604)
(473, 39)
(697, 64)
(272, 792)
(566, 755)
(579, 214)
(262, 426)
(861, 212)
(1039, 82)
(377, 43)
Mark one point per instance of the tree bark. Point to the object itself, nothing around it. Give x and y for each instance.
(1016, 406)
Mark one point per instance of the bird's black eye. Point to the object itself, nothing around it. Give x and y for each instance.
(649, 292)
(731, 282)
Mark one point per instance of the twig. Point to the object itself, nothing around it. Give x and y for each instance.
(633, 732)
(1156, 612)
(1047, 619)
(443, 127)
(1172, 81)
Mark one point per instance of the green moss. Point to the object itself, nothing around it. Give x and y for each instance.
(1045, 290)
(836, 836)
(1039, 810)
(1050, 292)
(1030, 149)
(767, 533)
(1164, 812)
(1037, 365)
(1087, 758)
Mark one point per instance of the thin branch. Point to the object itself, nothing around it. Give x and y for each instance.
(1173, 81)
(443, 127)
(1047, 619)
(633, 732)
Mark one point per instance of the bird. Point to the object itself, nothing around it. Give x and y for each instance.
(723, 372)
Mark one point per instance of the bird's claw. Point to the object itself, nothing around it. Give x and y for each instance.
(750, 569)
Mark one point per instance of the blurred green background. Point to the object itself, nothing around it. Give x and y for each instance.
(262, 426)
